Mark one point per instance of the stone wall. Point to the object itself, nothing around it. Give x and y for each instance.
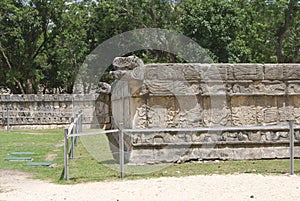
(52, 111)
(207, 96)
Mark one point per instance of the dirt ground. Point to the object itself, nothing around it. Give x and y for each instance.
(16, 186)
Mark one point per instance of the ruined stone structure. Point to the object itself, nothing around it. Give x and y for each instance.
(171, 96)
(53, 111)
(206, 96)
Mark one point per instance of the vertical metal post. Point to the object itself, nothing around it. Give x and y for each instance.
(291, 124)
(7, 118)
(72, 140)
(77, 129)
(80, 121)
(121, 150)
(66, 157)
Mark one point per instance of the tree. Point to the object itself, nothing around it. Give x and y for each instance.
(40, 41)
(68, 48)
(270, 33)
(213, 24)
(115, 17)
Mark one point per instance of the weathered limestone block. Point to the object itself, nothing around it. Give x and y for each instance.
(206, 96)
(291, 72)
(245, 72)
(293, 87)
(104, 88)
(44, 110)
(129, 62)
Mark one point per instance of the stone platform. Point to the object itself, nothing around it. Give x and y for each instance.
(207, 96)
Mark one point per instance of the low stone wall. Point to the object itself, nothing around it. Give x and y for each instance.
(207, 96)
(52, 111)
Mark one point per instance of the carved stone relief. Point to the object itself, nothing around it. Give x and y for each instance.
(156, 117)
(216, 116)
(140, 117)
(293, 88)
(252, 95)
(269, 115)
(275, 135)
(258, 88)
(286, 113)
(291, 71)
(297, 115)
(243, 115)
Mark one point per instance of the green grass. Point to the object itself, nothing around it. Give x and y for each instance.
(97, 164)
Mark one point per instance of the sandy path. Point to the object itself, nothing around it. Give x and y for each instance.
(16, 186)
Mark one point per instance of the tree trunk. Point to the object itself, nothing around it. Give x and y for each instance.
(289, 15)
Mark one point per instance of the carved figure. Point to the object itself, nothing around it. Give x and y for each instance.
(129, 62)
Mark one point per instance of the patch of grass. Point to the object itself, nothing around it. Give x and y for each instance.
(97, 163)
(41, 142)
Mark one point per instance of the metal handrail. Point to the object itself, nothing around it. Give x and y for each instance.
(94, 133)
(291, 127)
(207, 129)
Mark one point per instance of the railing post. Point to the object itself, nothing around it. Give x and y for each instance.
(77, 129)
(7, 118)
(81, 120)
(72, 140)
(121, 150)
(291, 125)
(66, 156)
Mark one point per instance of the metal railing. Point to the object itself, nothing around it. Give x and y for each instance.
(74, 128)
(68, 133)
(74, 131)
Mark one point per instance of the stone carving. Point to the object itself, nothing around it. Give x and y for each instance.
(258, 88)
(44, 111)
(291, 71)
(158, 139)
(297, 115)
(160, 117)
(255, 136)
(129, 62)
(118, 74)
(297, 135)
(168, 87)
(213, 89)
(293, 88)
(273, 71)
(275, 135)
(270, 116)
(273, 87)
(156, 117)
(242, 136)
(227, 136)
(246, 72)
(171, 115)
(189, 118)
(104, 88)
(183, 96)
(4, 91)
(286, 113)
(140, 117)
(128, 75)
(242, 88)
(216, 116)
(243, 116)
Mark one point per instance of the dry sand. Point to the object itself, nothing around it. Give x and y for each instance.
(16, 186)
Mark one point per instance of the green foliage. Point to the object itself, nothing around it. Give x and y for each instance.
(43, 43)
(213, 24)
